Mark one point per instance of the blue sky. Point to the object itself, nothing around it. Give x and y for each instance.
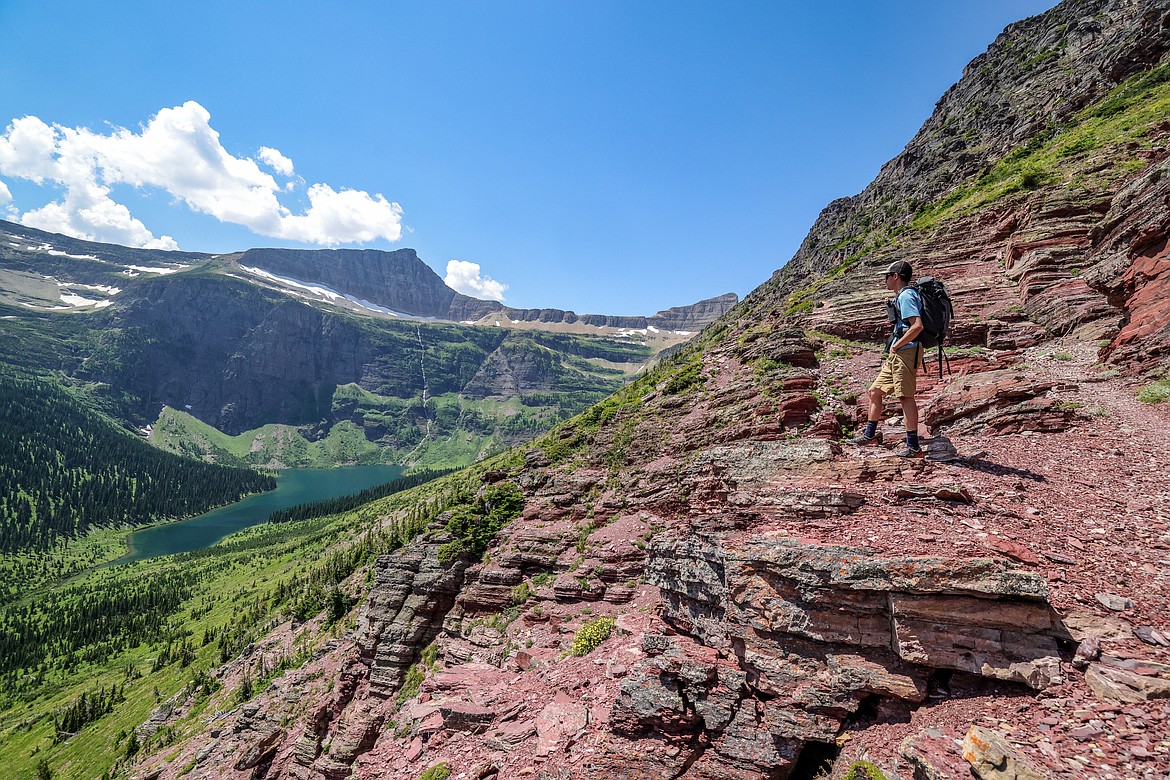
(613, 157)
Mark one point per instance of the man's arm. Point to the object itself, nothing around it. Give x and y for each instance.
(910, 334)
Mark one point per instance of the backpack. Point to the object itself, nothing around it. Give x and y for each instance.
(937, 312)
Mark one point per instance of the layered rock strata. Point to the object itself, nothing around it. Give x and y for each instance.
(814, 633)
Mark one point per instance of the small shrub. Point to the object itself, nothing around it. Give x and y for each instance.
(448, 553)
(767, 365)
(438, 772)
(416, 674)
(1063, 356)
(541, 579)
(1155, 393)
(520, 593)
(590, 636)
(863, 770)
(583, 536)
(245, 691)
(690, 375)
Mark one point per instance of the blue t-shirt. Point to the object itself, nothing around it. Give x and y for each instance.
(908, 304)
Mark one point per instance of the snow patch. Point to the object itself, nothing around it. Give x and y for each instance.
(147, 269)
(77, 300)
(59, 253)
(107, 289)
(321, 291)
(652, 329)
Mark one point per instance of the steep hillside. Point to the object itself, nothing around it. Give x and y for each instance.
(1035, 190)
(695, 578)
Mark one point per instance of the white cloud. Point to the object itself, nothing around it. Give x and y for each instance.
(465, 277)
(178, 152)
(5, 193)
(276, 161)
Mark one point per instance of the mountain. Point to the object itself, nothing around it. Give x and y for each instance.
(403, 284)
(287, 357)
(695, 578)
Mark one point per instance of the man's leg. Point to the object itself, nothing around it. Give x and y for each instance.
(910, 413)
(877, 403)
(873, 417)
(909, 386)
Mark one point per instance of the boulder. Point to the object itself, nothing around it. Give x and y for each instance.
(992, 758)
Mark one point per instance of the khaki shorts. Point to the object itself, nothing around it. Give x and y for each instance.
(899, 374)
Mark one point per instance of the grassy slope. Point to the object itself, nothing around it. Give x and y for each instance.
(1103, 145)
(235, 590)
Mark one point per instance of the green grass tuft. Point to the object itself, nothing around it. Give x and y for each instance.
(1155, 393)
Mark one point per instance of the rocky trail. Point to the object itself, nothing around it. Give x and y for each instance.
(1088, 508)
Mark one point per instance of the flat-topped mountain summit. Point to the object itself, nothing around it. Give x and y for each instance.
(402, 283)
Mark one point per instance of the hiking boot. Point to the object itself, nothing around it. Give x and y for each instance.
(911, 452)
(861, 440)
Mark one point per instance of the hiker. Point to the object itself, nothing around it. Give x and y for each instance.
(899, 373)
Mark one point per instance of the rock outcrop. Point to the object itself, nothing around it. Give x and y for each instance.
(814, 633)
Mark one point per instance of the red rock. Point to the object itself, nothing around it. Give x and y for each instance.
(1013, 550)
(431, 723)
(415, 750)
(559, 722)
(1085, 733)
(465, 716)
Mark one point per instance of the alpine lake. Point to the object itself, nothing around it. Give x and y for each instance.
(293, 487)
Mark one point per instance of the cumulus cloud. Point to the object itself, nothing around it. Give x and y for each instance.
(178, 152)
(465, 277)
(5, 193)
(276, 161)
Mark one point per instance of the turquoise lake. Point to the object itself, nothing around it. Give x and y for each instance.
(293, 486)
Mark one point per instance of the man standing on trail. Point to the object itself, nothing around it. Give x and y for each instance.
(899, 373)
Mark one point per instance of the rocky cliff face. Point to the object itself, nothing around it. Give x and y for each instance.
(1005, 191)
(705, 582)
(233, 356)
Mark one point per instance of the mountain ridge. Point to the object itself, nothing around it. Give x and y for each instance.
(175, 333)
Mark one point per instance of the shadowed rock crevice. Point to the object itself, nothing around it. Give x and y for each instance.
(815, 638)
